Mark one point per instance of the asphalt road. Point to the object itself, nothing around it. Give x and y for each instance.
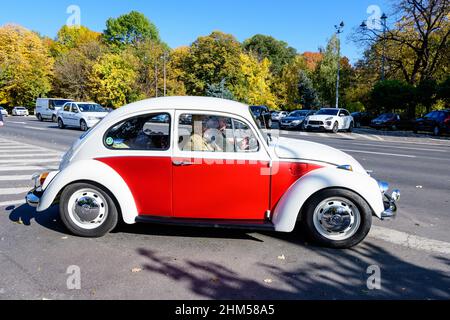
(162, 262)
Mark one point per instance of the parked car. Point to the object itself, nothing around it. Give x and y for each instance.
(295, 120)
(262, 116)
(134, 168)
(4, 112)
(20, 111)
(47, 109)
(391, 121)
(362, 119)
(83, 115)
(330, 119)
(437, 122)
(277, 116)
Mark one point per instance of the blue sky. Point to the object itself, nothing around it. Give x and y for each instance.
(304, 24)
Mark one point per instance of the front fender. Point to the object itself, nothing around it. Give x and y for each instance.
(98, 172)
(288, 209)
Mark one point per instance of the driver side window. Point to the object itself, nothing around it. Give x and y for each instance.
(209, 133)
(146, 132)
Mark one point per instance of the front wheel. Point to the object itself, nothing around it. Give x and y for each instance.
(60, 124)
(87, 210)
(54, 118)
(436, 131)
(335, 127)
(269, 124)
(39, 117)
(350, 128)
(337, 218)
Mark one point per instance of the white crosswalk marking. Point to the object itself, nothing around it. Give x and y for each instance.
(12, 203)
(28, 161)
(7, 191)
(15, 178)
(27, 168)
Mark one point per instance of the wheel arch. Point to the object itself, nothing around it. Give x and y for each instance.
(290, 207)
(98, 174)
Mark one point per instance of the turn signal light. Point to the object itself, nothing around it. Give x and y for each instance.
(42, 178)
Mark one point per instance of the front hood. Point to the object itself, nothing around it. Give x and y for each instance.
(95, 114)
(319, 117)
(286, 148)
(290, 119)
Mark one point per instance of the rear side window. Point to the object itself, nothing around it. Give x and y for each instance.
(146, 132)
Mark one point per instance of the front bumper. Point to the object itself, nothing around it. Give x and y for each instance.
(390, 201)
(33, 197)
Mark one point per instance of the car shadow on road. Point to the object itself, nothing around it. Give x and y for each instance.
(48, 219)
(333, 274)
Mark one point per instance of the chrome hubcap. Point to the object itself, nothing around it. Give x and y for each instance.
(337, 218)
(88, 209)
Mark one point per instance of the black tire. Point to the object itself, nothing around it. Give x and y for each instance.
(83, 125)
(54, 119)
(61, 124)
(269, 124)
(335, 128)
(350, 128)
(360, 234)
(107, 226)
(39, 117)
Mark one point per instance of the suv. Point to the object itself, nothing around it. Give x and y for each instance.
(437, 122)
(47, 109)
(262, 116)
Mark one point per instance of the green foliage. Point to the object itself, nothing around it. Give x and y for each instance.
(70, 37)
(219, 90)
(130, 29)
(278, 52)
(306, 91)
(393, 95)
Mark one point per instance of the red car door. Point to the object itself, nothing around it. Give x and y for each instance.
(232, 185)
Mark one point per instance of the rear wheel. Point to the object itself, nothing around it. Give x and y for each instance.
(83, 125)
(87, 210)
(337, 218)
(39, 117)
(61, 124)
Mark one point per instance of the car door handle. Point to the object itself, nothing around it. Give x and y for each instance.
(182, 163)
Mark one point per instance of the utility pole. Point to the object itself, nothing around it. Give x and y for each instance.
(156, 79)
(339, 30)
(383, 58)
(165, 72)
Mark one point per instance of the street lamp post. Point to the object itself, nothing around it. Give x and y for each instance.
(383, 19)
(339, 30)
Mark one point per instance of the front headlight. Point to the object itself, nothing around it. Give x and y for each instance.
(346, 167)
(296, 122)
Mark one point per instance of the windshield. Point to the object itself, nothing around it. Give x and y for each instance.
(91, 108)
(327, 112)
(386, 116)
(58, 103)
(298, 114)
(20, 108)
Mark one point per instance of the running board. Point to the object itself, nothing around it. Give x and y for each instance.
(204, 223)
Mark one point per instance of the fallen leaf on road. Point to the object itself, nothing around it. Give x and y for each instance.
(136, 270)
(419, 187)
(65, 238)
(19, 221)
(282, 257)
(268, 281)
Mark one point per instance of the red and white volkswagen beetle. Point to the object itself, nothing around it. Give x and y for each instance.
(204, 162)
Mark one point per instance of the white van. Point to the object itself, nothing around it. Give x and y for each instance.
(47, 109)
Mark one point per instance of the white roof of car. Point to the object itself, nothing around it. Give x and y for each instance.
(187, 103)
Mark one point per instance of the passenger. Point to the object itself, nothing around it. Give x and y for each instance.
(197, 141)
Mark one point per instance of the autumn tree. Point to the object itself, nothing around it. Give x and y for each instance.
(25, 66)
(71, 37)
(253, 83)
(113, 79)
(210, 59)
